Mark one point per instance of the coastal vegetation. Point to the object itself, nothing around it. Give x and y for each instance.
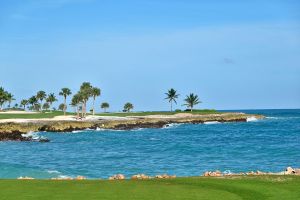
(105, 106)
(172, 96)
(210, 188)
(128, 106)
(65, 92)
(191, 100)
(43, 102)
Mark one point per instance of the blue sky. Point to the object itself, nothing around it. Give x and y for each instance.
(233, 54)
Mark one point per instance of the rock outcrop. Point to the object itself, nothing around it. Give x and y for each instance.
(14, 131)
(117, 177)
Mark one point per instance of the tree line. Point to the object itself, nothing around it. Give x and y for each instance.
(43, 101)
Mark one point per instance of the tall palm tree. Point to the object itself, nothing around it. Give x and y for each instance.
(85, 93)
(65, 92)
(95, 93)
(105, 106)
(172, 96)
(24, 102)
(50, 99)
(128, 106)
(191, 100)
(41, 95)
(3, 97)
(10, 98)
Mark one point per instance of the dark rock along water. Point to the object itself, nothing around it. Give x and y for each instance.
(185, 150)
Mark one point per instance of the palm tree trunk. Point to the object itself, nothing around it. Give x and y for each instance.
(171, 106)
(65, 101)
(94, 106)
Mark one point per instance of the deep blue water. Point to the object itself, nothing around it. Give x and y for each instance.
(268, 145)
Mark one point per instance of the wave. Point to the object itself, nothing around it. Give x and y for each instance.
(212, 122)
(172, 125)
(53, 172)
(251, 119)
(33, 135)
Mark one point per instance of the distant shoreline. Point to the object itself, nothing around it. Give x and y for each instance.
(13, 129)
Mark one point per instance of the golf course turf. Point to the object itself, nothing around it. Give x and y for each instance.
(250, 187)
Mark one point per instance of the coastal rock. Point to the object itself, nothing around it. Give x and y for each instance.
(62, 178)
(25, 178)
(80, 178)
(140, 177)
(214, 173)
(117, 177)
(165, 176)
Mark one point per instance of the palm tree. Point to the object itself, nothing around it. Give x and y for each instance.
(46, 106)
(128, 106)
(105, 106)
(86, 93)
(10, 98)
(95, 93)
(172, 96)
(191, 100)
(3, 97)
(23, 103)
(41, 95)
(76, 100)
(61, 106)
(65, 92)
(50, 99)
(33, 101)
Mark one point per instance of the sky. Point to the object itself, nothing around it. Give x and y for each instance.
(233, 54)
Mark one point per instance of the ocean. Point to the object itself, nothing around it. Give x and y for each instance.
(270, 144)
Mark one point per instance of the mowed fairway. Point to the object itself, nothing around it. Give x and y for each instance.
(263, 187)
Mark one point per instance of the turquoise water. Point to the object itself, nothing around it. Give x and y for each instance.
(185, 150)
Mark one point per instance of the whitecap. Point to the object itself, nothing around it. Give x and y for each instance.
(77, 131)
(212, 122)
(53, 172)
(251, 119)
(172, 125)
(33, 135)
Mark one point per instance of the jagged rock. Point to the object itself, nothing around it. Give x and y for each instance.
(117, 177)
(165, 176)
(80, 178)
(140, 177)
(215, 173)
(62, 178)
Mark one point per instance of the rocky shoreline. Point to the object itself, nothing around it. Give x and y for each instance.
(287, 171)
(15, 130)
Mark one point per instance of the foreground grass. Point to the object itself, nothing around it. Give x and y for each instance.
(4, 115)
(247, 188)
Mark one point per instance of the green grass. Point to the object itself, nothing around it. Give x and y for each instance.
(247, 188)
(31, 116)
(4, 115)
(206, 111)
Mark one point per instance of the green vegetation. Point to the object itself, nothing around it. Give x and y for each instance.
(5, 97)
(124, 114)
(38, 115)
(41, 101)
(105, 106)
(95, 93)
(236, 188)
(191, 100)
(128, 106)
(65, 92)
(172, 96)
